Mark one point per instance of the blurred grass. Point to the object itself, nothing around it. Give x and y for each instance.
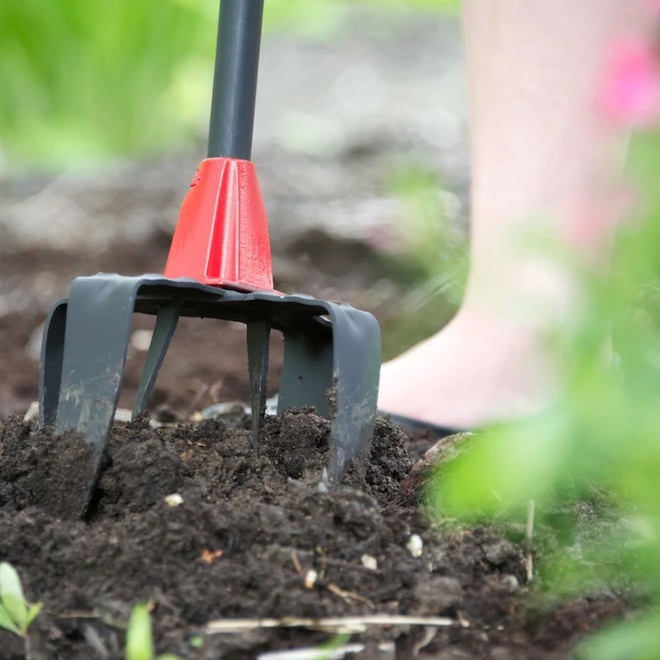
(83, 80)
(92, 79)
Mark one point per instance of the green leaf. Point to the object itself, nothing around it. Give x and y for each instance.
(6, 622)
(11, 595)
(139, 642)
(33, 611)
(632, 639)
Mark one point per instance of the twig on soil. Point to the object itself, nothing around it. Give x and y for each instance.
(464, 623)
(529, 534)
(309, 577)
(348, 596)
(335, 624)
(296, 563)
(78, 614)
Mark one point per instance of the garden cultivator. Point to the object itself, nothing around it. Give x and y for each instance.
(219, 267)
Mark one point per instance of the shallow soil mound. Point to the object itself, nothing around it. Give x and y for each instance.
(201, 525)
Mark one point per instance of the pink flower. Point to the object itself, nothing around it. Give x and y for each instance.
(630, 93)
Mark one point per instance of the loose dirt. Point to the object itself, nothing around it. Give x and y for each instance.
(198, 523)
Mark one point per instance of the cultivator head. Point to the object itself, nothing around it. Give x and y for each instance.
(219, 267)
(331, 354)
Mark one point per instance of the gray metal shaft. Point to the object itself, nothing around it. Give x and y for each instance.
(235, 79)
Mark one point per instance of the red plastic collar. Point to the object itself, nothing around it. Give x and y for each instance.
(221, 237)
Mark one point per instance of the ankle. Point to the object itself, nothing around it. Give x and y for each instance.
(481, 368)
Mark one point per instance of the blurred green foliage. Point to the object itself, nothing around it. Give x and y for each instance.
(638, 639)
(424, 247)
(139, 636)
(321, 19)
(84, 80)
(90, 79)
(601, 436)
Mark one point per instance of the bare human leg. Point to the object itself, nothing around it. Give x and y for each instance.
(543, 161)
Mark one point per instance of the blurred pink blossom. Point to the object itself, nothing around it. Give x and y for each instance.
(592, 220)
(630, 93)
(653, 7)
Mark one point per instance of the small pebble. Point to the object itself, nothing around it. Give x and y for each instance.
(369, 562)
(509, 583)
(310, 578)
(173, 500)
(415, 545)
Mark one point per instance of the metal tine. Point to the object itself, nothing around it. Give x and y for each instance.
(333, 366)
(52, 354)
(356, 372)
(167, 319)
(258, 336)
(98, 325)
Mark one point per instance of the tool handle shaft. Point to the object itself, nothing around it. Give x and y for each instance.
(235, 79)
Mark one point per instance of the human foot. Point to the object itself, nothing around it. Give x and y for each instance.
(478, 369)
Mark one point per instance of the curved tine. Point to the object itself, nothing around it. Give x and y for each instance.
(98, 325)
(356, 374)
(166, 322)
(50, 370)
(258, 335)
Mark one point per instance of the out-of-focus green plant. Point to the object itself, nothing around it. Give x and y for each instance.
(139, 638)
(90, 79)
(328, 649)
(428, 239)
(425, 246)
(603, 435)
(638, 639)
(16, 614)
(323, 18)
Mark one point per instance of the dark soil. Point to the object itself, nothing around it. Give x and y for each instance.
(250, 526)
